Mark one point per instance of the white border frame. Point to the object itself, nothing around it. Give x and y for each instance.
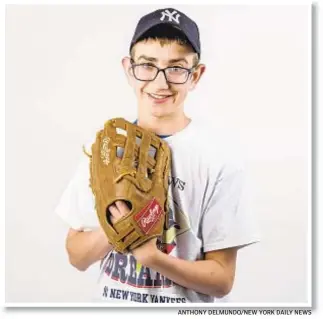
(310, 177)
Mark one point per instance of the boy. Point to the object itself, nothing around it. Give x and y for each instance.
(196, 259)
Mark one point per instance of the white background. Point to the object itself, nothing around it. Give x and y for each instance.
(64, 77)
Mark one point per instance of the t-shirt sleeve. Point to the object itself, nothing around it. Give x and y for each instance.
(76, 206)
(227, 220)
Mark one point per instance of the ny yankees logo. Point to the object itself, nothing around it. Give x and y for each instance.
(170, 16)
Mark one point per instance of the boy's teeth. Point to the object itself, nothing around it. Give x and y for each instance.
(158, 96)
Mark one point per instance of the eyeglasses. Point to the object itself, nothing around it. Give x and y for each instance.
(149, 72)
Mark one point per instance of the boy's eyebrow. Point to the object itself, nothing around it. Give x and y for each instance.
(147, 58)
(152, 59)
(178, 60)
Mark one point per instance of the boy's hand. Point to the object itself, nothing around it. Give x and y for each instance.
(147, 251)
(117, 210)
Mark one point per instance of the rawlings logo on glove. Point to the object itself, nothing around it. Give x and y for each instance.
(147, 218)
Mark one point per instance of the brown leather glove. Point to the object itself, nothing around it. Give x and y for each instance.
(134, 167)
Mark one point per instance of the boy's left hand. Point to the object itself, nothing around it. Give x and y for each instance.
(146, 252)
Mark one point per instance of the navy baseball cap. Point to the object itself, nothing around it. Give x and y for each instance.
(170, 17)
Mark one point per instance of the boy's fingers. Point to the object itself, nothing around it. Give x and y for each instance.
(122, 206)
(114, 211)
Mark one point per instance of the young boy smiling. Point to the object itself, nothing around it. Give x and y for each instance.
(195, 261)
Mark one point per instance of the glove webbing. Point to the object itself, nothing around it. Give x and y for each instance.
(147, 170)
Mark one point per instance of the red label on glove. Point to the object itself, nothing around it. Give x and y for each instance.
(149, 216)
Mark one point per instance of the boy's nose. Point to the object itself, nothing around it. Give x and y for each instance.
(161, 81)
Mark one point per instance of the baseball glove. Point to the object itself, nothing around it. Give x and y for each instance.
(131, 164)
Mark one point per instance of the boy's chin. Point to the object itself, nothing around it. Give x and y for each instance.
(159, 111)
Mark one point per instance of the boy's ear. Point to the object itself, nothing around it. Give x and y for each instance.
(126, 64)
(196, 75)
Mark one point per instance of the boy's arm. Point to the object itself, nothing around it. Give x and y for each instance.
(84, 248)
(213, 276)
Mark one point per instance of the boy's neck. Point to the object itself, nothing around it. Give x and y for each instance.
(164, 125)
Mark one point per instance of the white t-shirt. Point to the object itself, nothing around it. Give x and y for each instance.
(207, 212)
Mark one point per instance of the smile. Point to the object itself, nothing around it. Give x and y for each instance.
(159, 97)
